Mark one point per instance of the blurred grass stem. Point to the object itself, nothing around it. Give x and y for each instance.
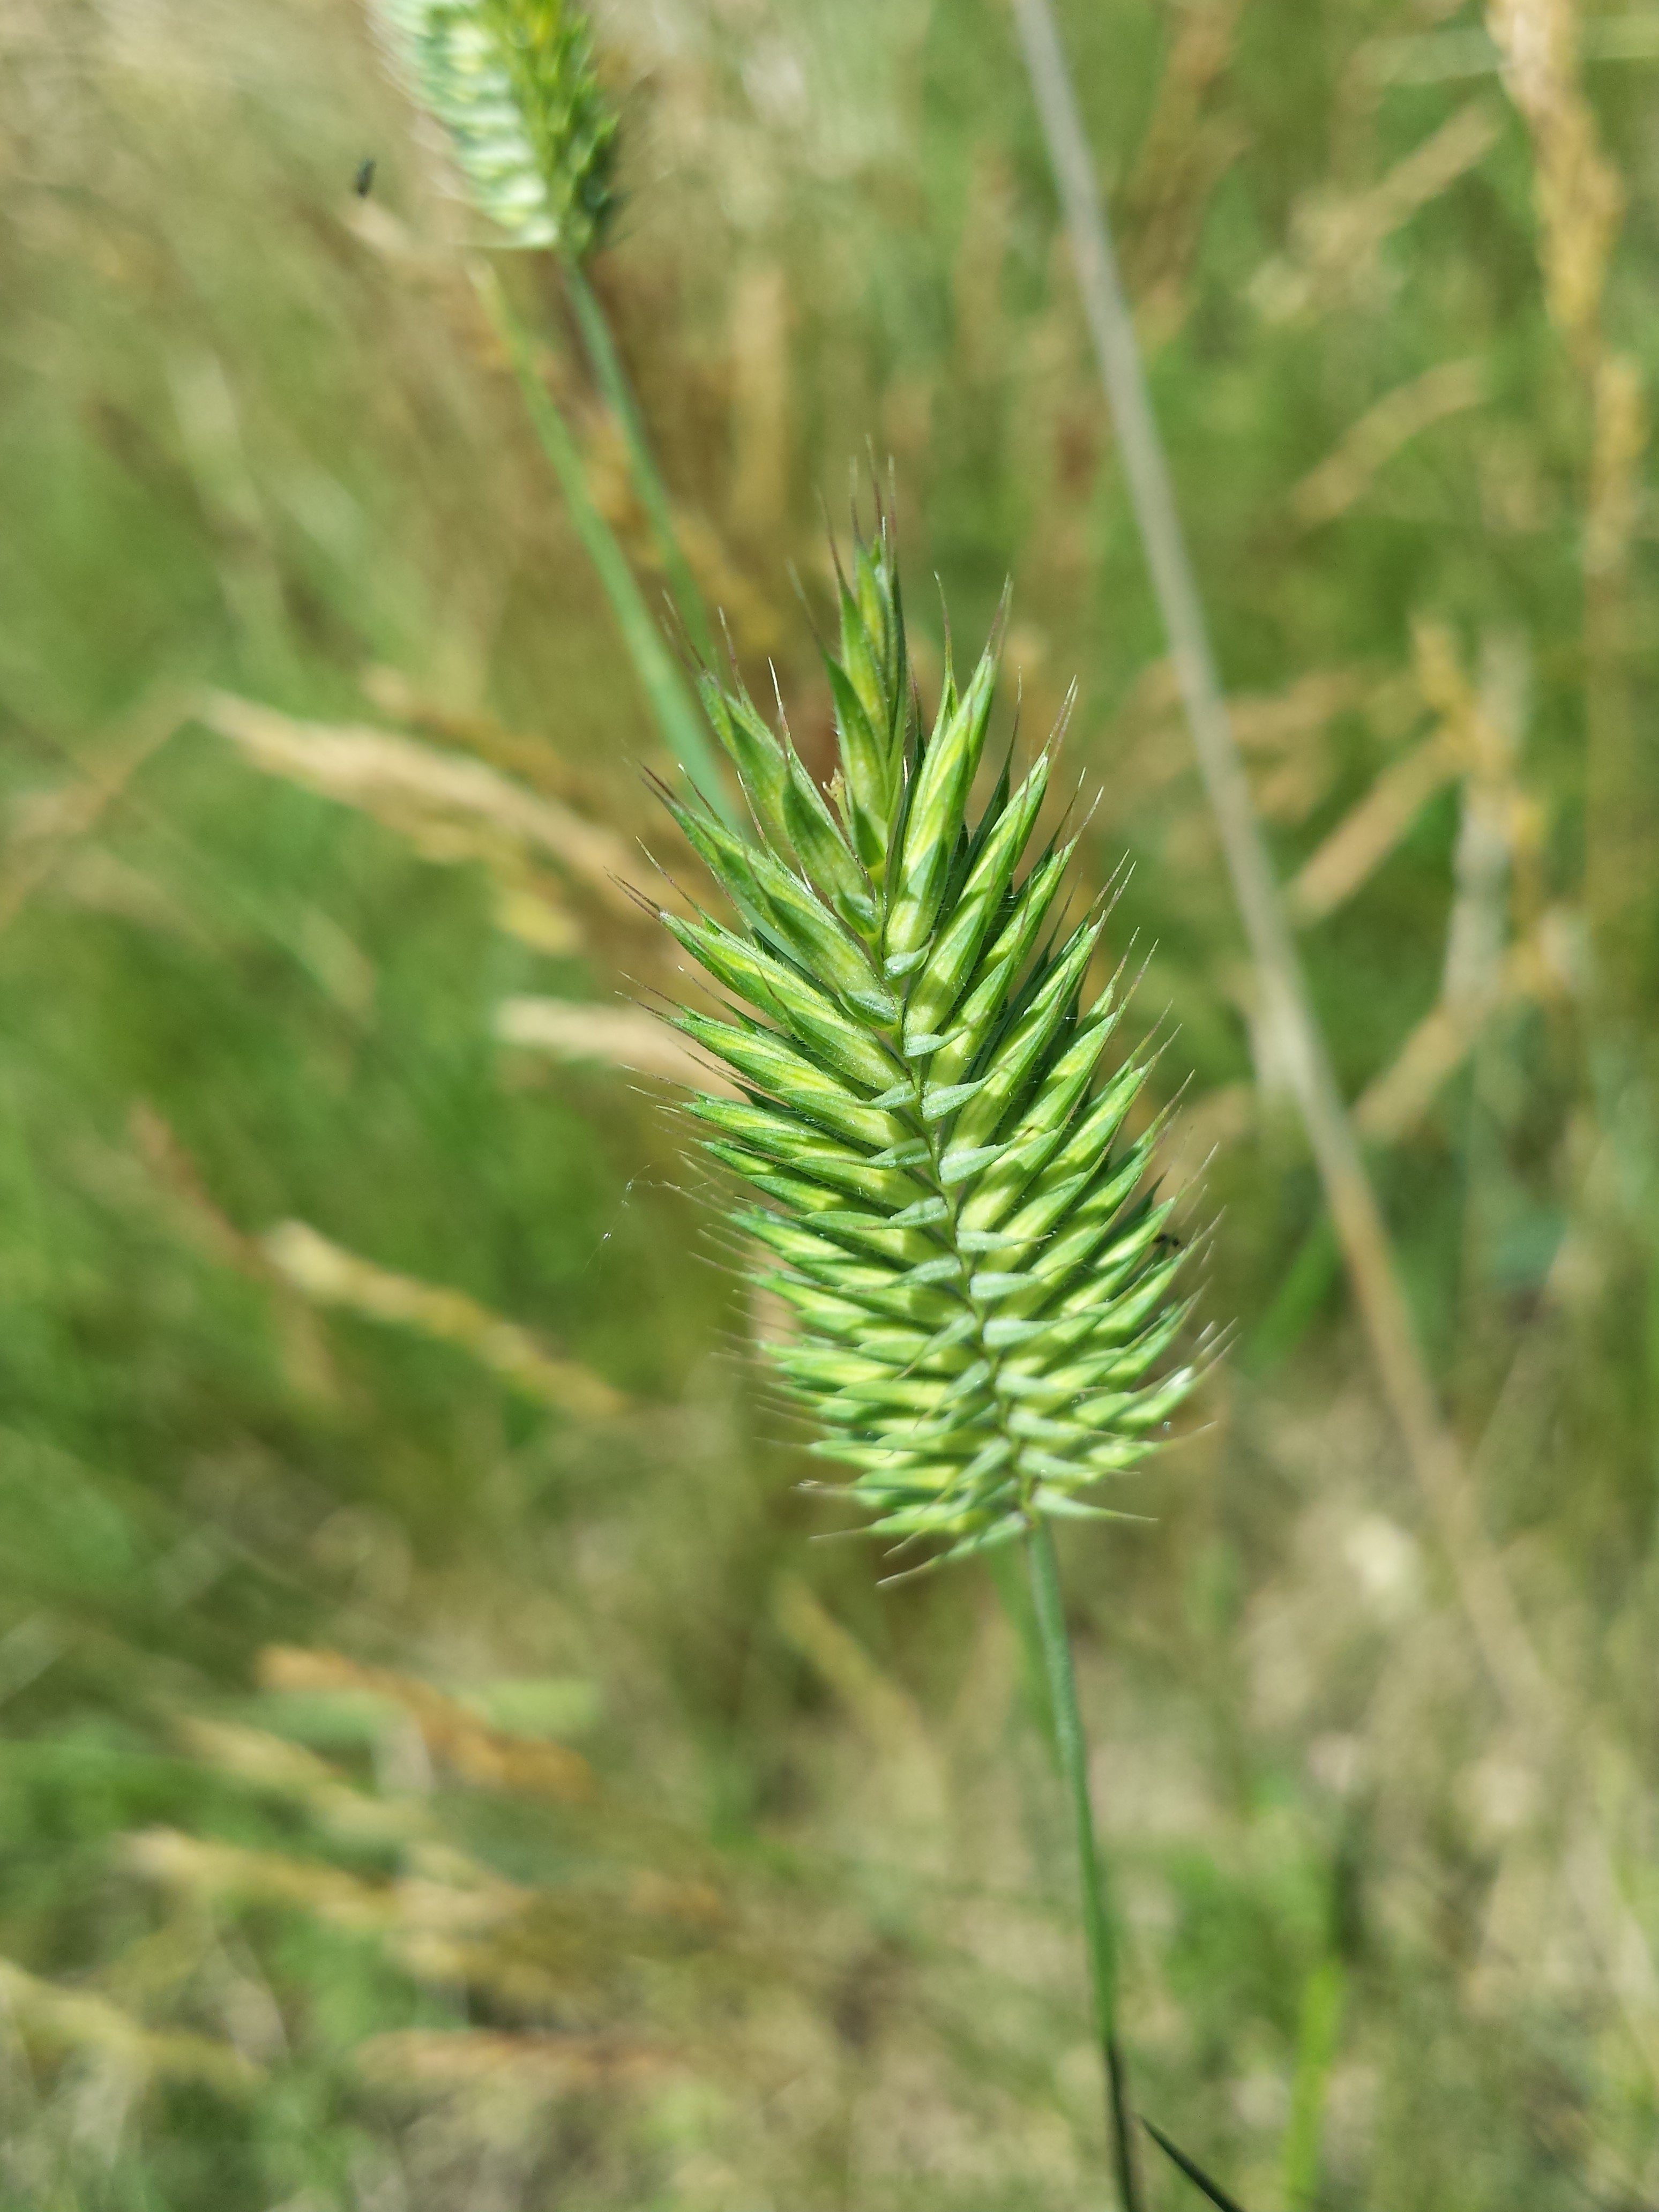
(144, 731)
(1486, 1595)
(1318, 2028)
(1099, 1929)
(661, 681)
(1484, 1589)
(612, 380)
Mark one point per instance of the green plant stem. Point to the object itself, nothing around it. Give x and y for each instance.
(663, 684)
(1100, 1936)
(1317, 2029)
(612, 379)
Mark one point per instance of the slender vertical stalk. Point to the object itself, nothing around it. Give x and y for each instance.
(1317, 2028)
(1487, 1598)
(612, 380)
(1099, 1931)
(664, 685)
(1485, 1591)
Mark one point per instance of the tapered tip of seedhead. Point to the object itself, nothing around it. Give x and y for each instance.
(730, 642)
(883, 510)
(927, 1567)
(658, 785)
(1068, 826)
(1067, 709)
(853, 520)
(634, 895)
(1212, 1344)
(834, 544)
(997, 640)
(944, 616)
(679, 803)
(668, 875)
(797, 586)
(777, 694)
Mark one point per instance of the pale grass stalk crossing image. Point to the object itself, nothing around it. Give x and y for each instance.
(1494, 1616)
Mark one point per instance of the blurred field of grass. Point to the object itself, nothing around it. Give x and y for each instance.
(300, 1905)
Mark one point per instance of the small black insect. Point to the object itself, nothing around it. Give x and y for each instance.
(1168, 1242)
(363, 183)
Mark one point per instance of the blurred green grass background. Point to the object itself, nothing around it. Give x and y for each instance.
(439, 1769)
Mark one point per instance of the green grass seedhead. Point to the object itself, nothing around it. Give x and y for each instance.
(513, 83)
(985, 1293)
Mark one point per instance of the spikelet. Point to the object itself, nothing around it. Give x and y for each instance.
(511, 81)
(984, 1292)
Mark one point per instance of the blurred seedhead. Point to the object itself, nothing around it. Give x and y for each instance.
(512, 84)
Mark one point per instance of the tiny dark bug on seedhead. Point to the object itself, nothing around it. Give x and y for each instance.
(363, 183)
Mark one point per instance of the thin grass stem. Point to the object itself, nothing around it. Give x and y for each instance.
(1485, 1591)
(1099, 1926)
(612, 380)
(664, 686)
(1487, 1598)
(1320, 2023)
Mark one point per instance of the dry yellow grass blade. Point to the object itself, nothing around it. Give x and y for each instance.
(1364, 837)
(536, 2067)
(761, 374)
(1335, 240)
(451, 1922)
(305, 1350)
(1184, 155)
(328, 1275)
(1281, 734)
(1620, 815)
(1483, 969)
(457, 1739)
(1398, 417)
(1393, 1106)
(887, 1713)
(1580, 196)
(1270, 722)
(580, 785)
(197, 1866)
(1468, 741)
(437, 1930)
(271, 1764)
(911, 1775)
(80, 2023)
(55, 822)
(1622, 426)
(620, 1036)
(455, 1928)
(451, 807)
(1283, 737)
(1539, 969)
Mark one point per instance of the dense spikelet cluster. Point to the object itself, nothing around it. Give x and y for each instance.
(513, 83)
(985, 1293)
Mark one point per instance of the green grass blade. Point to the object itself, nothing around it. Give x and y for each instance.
(1193, 2171)
(682, 729)
(612, 380)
